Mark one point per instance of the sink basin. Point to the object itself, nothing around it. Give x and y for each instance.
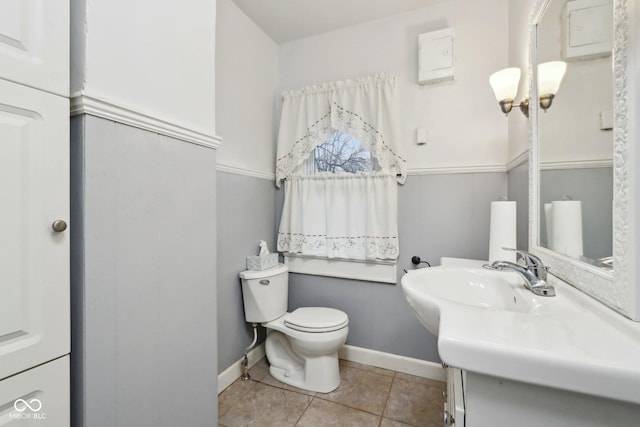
(429, 289)
(488, 323)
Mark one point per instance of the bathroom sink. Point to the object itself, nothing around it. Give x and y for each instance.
(487, 322)
(429, 289)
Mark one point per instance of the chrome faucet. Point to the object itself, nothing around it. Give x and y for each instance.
(534, 272)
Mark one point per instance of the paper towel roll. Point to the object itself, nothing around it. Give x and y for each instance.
(567, 227)
(502, 231)
(548, 221)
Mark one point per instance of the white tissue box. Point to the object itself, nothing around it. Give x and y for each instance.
(262, 262)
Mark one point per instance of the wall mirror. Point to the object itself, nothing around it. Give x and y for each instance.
(578, 159)
(575, 135)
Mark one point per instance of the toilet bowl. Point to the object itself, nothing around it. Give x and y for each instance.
(307, 360)
(301, 346)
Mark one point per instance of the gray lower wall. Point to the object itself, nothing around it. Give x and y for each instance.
(594, 188)
(246, 215)
(439, 215)
(143, 227)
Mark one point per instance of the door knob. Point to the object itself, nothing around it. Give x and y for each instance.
(59, 226)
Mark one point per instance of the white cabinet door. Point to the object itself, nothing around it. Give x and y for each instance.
(38, 397)
(34, 43)
(34, 259)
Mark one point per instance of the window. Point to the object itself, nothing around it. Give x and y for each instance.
(341, 153)
(338, 157)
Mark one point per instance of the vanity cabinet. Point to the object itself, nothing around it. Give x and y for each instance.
(490, 401)
(454, 405)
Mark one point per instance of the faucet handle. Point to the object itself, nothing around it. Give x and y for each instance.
(532, 262)
(530, 259)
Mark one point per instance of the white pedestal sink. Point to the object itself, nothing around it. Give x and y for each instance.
(488, 323)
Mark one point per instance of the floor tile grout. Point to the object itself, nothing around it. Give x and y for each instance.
(347, 406)
(386, 400)
(305, 410)
(354, 408)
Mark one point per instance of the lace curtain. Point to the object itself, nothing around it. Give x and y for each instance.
(347, 216)
(364, 108)
(340, 216)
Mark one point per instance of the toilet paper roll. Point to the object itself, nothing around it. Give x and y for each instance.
(567, 227)
(548, 222)
(502, 231)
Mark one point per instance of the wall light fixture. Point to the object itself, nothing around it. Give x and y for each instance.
(505, 86)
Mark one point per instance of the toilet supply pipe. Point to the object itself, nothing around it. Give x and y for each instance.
(245, 359)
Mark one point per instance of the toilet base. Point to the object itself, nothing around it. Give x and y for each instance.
(314, 373)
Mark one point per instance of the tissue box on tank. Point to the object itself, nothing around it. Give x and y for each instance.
(263, 262)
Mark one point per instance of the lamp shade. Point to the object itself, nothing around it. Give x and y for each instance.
(550, 76)
(505, 83)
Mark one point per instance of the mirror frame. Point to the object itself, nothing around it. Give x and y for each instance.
(613, 288)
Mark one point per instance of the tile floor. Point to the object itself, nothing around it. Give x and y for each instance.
(367, 396)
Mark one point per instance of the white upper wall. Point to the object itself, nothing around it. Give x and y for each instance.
(246, 79)
(570, 130)
(465, 125)
(519, 16)
(151, 57)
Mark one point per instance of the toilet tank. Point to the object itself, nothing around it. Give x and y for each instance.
(265, 293)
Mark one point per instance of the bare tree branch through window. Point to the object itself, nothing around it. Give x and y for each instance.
(342, 153)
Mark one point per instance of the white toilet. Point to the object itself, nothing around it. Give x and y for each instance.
(302, 346)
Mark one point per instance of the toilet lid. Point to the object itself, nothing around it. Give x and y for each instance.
(316, 319)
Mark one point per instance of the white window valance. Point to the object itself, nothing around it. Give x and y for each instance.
(363, 108)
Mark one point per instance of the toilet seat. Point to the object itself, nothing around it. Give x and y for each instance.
(316, 319)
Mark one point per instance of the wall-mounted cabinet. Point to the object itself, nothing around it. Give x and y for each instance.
(436, 59)
(588, 29)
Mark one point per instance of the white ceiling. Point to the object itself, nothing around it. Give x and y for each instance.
(285, 20)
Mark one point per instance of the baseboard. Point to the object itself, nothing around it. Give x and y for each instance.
(233, 372)
(407, 365)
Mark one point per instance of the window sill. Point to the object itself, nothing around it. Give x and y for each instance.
(384, 272)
